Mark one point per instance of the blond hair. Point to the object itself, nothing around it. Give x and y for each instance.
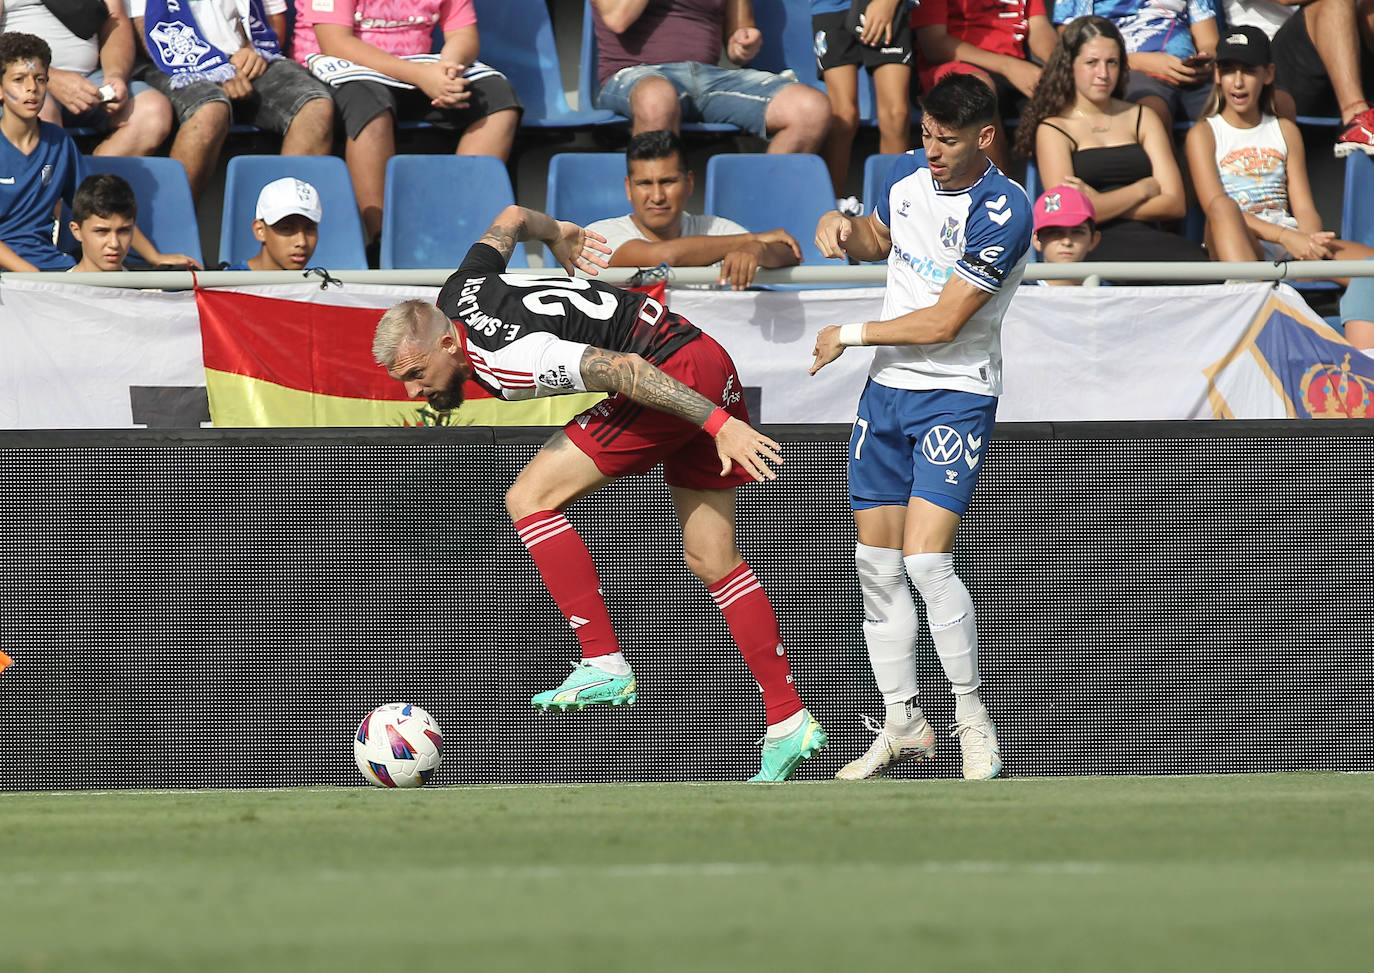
(417, 321)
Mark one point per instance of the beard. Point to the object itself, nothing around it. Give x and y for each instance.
(447, 399)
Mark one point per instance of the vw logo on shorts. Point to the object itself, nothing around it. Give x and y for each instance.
(942, 445)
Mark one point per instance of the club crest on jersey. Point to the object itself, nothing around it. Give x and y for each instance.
(949, 233)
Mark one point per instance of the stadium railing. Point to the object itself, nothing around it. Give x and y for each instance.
(1091, 274)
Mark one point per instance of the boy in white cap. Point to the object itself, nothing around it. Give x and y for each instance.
(1065, 229)
(287, 223)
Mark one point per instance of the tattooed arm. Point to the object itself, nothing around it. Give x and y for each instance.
(575, 247)
(633, 377)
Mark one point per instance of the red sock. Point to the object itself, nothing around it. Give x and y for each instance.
(568, 572)
(753, 625)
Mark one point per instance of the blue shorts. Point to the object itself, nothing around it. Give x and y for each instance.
(98, 118)
(706, 93)
(927, 443)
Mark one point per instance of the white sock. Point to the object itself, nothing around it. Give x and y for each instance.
(890, 622)
(614, 664)
(969, 708)
(949, 609)
(903, 714)
(790, 725)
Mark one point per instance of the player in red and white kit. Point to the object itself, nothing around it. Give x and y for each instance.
(674, 398)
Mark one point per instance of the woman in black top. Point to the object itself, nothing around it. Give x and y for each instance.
(1083, 135)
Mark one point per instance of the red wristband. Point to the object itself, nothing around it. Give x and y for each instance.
(713, 423)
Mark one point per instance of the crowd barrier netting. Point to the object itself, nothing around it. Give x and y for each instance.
(220, 608)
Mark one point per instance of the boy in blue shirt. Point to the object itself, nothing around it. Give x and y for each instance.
(39, 163)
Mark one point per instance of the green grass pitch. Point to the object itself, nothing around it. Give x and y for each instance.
(1253, 872)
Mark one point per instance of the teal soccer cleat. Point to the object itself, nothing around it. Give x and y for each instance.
(782, 756)
(587, 686)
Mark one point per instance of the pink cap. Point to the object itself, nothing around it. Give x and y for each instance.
(1063, 206)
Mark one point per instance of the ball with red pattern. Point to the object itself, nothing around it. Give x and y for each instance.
(398, 745)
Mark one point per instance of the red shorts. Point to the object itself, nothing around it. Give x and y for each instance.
(623, 437)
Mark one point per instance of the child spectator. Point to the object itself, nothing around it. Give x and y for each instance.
(1323, 53)
(1118, 154)
(39, 164)
(993, 42)
(89, 84)
(877, 35)
(103, 215)
(1249, 166)
(287, 224)
(1065, 229)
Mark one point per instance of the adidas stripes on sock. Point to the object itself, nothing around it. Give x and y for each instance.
(754, 627)
(566, 566)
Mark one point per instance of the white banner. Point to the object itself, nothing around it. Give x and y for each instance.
(85, 357)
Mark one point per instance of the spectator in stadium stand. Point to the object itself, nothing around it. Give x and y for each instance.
(287, 224)
(103, 214)
(1083, 134)
(39, 163)
(1169, 50)
(89, 83)
(656, 63)
(658, 230)
(676, 400)
(995, 42)
(876, 35)
(376, 55)
(220, 63)
(40, 166)
(1320, 68)
(1065, 229)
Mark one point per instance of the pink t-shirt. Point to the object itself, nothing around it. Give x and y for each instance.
(398, 27)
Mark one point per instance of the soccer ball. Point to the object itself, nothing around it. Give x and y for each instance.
(398, 745)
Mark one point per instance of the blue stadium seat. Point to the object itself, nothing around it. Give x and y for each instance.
(517, 40)
(587, 85)
(166, 214)
(876, 168)
(586, 186)
(437, 206)
(1357, 210)
(763, 191)
(341, 231)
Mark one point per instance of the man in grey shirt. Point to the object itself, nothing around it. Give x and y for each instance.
(657, 231)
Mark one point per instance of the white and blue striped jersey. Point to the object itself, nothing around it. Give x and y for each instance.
(983, 234)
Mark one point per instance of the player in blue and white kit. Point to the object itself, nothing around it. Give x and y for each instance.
(956, 233)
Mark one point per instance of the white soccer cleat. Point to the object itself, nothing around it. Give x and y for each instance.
(916, 742)
(978, 742)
